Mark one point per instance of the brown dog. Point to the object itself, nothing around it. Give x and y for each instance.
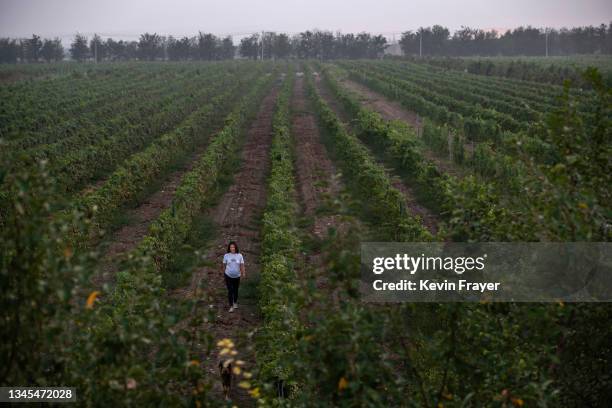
(225, 370)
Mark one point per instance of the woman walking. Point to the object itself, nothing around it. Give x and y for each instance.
(233, 269)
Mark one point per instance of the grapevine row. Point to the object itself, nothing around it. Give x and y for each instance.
(476, 209)
(386, 204)
(142, 169)
(277, 288)
(155, 118)
(73, 125)
(472, 208)
(35, 107)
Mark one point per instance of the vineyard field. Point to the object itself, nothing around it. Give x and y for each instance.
(553, 69)
(121, 185)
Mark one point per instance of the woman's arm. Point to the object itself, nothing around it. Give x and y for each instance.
(242, 270)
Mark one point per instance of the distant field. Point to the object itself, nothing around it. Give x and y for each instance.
(553, 70)
(603, 62)
(13, 72)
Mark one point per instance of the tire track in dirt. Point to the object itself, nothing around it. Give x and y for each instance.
(237, 217)
(316, 176)
(319, 185)
(390, 110)
(428, 218)
(139, 218)
(393, 110)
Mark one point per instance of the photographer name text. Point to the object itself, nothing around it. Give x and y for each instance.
(431, 286)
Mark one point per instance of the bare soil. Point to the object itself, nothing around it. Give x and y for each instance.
(139, 218)
(392, 110)
(237, 218)
(428, 219)
(317, 178)
(319, 185)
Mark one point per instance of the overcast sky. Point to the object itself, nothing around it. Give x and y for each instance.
(128, 18)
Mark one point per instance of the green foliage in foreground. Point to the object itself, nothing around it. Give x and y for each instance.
(58, 333)
(348, 353)
(124, 347)
(278, 291)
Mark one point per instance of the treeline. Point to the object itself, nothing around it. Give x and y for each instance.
(34, 49)
(204, 46)
(323, 45)
(153, 47)
(555, 70)
(437, 40)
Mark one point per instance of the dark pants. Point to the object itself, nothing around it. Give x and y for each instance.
(232, 289)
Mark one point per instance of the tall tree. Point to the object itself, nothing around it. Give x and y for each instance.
(249, 46)
(9, 50)
(79, 51)
(115, 49)
(32, 48)
(97, 48)
(150, 47)
(131, 50)
(52, 50)
(409, 43)
(282, 46)
(377, 46)
(267, 43)
(438, 40)
(305, 45)
(325, 44)
(180, 50)
(227, 48)
(207, 46)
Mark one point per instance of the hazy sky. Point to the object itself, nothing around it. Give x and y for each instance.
(128, 18)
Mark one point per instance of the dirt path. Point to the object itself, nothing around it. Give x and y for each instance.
(390, 110)
(320, 190)
(138, 220)
(428, 218)
(393, 110)
(317, 178)
(237, 217)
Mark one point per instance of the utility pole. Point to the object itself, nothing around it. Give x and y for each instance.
(95, 48)
(262, 45)
(546, 41)
(421, 43)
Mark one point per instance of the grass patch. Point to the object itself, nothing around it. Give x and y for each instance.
(189, 257)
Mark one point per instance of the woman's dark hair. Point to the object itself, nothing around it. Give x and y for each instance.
(234, 244)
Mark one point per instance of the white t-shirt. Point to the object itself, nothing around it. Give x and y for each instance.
(232, 264)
